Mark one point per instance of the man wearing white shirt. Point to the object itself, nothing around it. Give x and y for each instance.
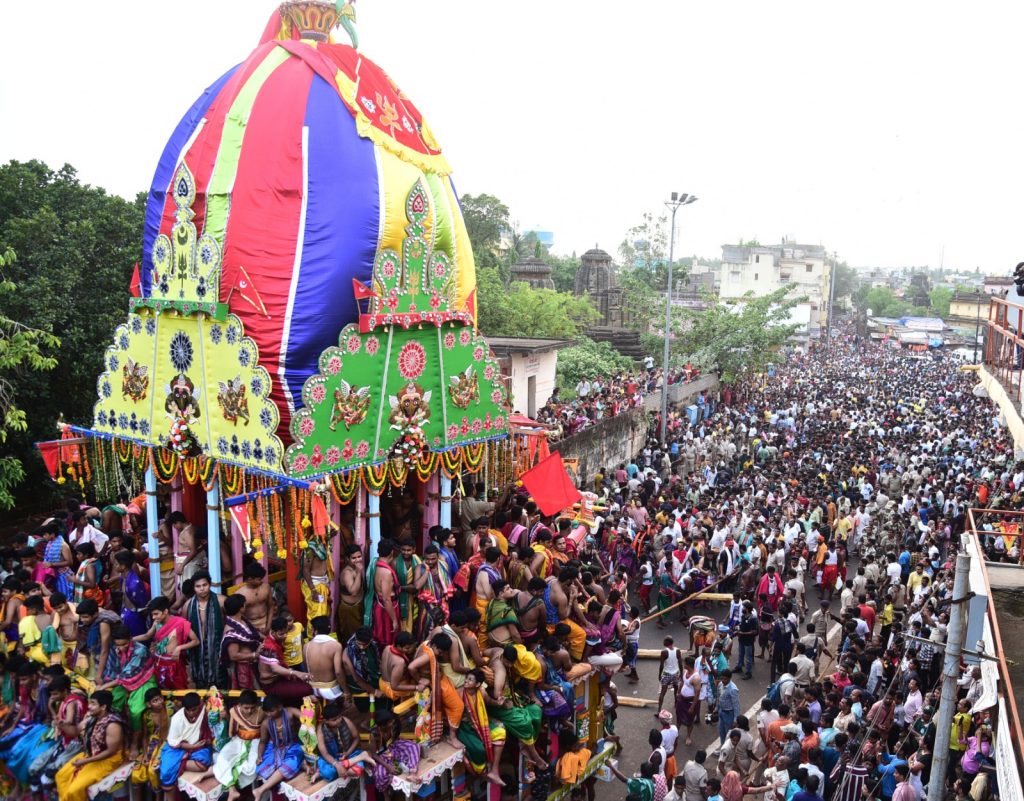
(83, 531)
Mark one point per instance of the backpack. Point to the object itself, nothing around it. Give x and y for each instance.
(774, 692)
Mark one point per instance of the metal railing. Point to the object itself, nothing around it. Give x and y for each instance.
(974, 519)
(1004, 345)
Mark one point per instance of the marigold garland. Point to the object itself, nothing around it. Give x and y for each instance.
(233, 478)
(165, 464)
(190, 470)
(451, 462)
(473, 456)
(123, 448)
(426, 465)
(375, 478)
(345, 485)
(208, 470)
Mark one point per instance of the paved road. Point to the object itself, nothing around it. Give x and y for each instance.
(634, 724)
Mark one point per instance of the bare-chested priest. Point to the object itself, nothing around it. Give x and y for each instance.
(323, 660)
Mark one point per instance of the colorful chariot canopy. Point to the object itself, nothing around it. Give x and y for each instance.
(307, 287)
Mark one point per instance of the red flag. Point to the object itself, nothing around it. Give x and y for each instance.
(361, 290)
(470, 305)
(240, 517)
(51, 457)
(550, 485)
(135, 287)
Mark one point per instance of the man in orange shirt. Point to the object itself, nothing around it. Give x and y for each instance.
(774, 735)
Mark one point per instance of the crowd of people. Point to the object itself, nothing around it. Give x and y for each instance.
(596, 399)
(826, 503)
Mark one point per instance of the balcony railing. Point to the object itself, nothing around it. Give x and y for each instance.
(1004, 344)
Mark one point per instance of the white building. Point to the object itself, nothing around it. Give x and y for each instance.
(762, 269)
(530, 366)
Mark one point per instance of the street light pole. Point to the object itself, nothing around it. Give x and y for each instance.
(831, 294)
(673, 204)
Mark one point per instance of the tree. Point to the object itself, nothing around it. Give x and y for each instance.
(588, 359)
(21, 352)
(939, 299)
(76, 246)
(521, 311)
(883, 302)
(736, 340)
(487, 221)
(845, 279)
(563, 272)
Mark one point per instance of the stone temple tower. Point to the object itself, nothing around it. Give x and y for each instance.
(596, 278)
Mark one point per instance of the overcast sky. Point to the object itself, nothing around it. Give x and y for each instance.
(888, 132)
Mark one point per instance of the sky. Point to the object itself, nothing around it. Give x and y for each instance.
(888, 132)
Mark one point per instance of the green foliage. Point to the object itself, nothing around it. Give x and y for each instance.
(76, 246)
(643, 303)
(883, 302)
(487, 221)
(939, 299)
(588, 359)
(646, 245)
(521, 311)
(748, 243)
(21, 353)
(845, 278)
(563, 272)
(735, 341)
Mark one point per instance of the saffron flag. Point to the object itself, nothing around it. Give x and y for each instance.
(550, 485)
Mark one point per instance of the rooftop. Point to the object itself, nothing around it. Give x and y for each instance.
(504, 346)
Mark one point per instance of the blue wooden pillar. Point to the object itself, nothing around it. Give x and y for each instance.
(213, 536)
(446, 501)
(152, 524)
(373, 513)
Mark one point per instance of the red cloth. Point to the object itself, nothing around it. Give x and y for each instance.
(550, 485)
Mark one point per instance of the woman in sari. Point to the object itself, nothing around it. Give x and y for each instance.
(57, 557)
(391, 754)
(240, 645)
(63, 742)
(172, 638)
(483, 739)
(134, 594)
(33, 724)
(129, 674)
(104, 750)
(281, 758)
(148, 741)
(38, 637)
(88, 578)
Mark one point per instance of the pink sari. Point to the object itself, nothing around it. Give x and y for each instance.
(171, 673)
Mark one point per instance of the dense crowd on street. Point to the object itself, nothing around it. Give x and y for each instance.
(845, 478)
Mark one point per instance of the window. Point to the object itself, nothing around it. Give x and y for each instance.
(810, 268)
(757, 259)
(756, 275)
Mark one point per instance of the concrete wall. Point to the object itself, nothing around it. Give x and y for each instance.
(684, 394)
(541, 366)
(1010, 410)
(611, 441)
